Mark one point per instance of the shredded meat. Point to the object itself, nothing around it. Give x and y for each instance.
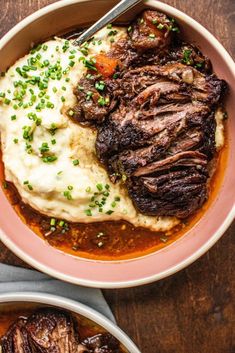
(158, 128)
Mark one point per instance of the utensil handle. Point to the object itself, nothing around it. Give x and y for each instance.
(109, 17)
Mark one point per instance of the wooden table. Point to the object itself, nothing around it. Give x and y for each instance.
(194, 310)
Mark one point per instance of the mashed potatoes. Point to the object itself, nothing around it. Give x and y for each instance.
(50, 159)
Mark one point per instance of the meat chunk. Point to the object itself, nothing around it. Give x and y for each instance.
(173, 193)
(151, 30)
(93, 100)
(189, 55)
(102, 343)
(16, 340)
(52, 331)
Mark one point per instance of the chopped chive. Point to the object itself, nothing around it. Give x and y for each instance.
(49, 159)
(187, 57)
(160, 26)
(44, 148)
(100, 86)
(68, 195)
(61, 223)
(90, 64)
(112, 33)
(99, 187)
(50, 105)
(76, 162)
(102, 101)
(53, 222)
(7, 101)
(71, 112)
(71, 63)
(92, 205)
(46, 63)
(89, 95)
(88, 212)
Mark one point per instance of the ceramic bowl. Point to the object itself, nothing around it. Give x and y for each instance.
(61, 17)
(13, 300)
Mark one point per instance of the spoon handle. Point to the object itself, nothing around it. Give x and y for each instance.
(109, 17)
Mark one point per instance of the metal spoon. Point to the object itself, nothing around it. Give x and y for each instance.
(109, 17)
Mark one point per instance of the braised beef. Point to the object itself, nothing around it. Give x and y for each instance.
(158, 132)
(170, 193)
(16, 339)
(102, 343)
(89, 108)
(53, 331)
(151, 30)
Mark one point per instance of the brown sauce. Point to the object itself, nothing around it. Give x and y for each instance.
(10, 312)
(109, 240)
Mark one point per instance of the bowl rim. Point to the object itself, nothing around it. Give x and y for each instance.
(201, 250)
(73, 306)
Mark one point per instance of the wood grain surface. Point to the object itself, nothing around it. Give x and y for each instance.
(194, 310)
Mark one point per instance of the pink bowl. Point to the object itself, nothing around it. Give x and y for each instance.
(58, 17)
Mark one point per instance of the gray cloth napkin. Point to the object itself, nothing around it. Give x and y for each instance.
(15, 279)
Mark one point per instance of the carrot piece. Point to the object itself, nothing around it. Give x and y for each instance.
(105, 66)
